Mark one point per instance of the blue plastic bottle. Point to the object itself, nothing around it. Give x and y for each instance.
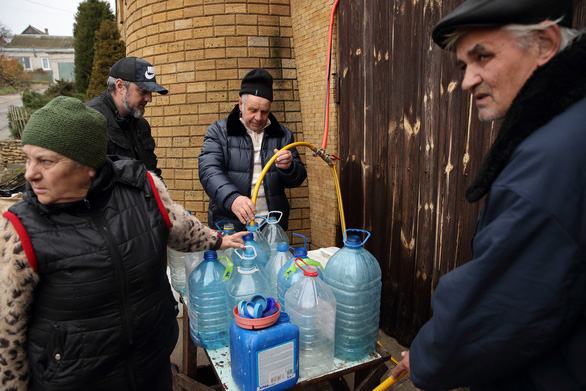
(275, 263)
(354, 275)
(290, 273)
(273, 232)
(266, 359)
(246, 281)
(260, 245)
(208, 320)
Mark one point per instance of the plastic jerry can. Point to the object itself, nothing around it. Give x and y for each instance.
(265, 359)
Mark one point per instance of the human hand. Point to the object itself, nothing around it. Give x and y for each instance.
(243, 209)
(284, 159)
(402, 368)
(233, 241)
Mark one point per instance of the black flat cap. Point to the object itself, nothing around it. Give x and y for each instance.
(258, 82)
(494, 13)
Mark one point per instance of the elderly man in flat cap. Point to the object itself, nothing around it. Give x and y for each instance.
(236, 149)
(85, 303)
(514, 316)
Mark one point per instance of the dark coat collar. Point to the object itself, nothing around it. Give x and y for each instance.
(236, 128)
(550, 91)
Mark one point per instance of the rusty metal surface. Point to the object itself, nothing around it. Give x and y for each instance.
(410, 144)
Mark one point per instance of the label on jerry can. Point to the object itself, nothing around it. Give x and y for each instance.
(276, 365)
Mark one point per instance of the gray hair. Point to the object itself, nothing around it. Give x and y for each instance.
(523, 33)
(111, 83)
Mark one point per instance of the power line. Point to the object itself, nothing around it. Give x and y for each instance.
(48, 6)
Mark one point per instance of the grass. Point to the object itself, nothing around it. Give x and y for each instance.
(8, 90)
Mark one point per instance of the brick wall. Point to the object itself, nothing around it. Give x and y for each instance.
(10, 152)
(201, 50)
(310, 29)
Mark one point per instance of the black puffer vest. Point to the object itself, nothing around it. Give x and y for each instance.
(103, 316)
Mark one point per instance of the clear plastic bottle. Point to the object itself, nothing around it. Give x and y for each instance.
(208, 320)
(290, 273)
(277, 261)
(176, 263)
(246, 281)
(255, 238)
(311, 305)
(354, 275)
(273, 232)
(227, 229)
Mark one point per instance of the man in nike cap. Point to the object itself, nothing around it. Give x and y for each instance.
(131, 83)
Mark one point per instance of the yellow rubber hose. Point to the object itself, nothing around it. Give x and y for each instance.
(317, 153)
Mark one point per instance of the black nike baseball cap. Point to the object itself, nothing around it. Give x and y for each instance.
(138, 71)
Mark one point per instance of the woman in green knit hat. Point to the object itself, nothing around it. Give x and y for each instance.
(86, 303)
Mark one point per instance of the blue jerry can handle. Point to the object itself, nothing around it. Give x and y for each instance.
(362, 231)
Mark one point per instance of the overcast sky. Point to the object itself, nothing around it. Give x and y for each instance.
(55, 15)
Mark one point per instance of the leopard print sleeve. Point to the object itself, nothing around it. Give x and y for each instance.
(17, 283)
(187, 234)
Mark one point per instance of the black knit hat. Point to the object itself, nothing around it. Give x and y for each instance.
(495, 13)
(258, 82)
(66, 126)
(138, 71)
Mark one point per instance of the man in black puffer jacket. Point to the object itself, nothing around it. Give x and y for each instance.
(131, 84)
(236, 149)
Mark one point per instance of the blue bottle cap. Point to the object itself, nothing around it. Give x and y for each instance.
(283, 317)
(248, 237)
(210, 255)
(353, 241)
(251, 227)
(282, 246)
(299, 252)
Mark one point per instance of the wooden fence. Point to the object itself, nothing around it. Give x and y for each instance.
(410, 144)
(17, 119)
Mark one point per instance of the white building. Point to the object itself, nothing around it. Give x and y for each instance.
(36, 49)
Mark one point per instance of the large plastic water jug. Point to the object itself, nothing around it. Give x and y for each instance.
(225, 229)
(176, 263)
(290, 272)
(311, 305)
(277, 261)
(208, 319)
(265, 359)
(354, 275)
(273, 232)
(260, 244)
(246, 279)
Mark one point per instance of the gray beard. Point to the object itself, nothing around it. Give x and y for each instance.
(136, 112)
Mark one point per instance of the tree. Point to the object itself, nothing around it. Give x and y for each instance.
(108, 49)
(90, 13)
(4, 32)
(11, 73)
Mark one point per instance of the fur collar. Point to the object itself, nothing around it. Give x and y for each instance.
(550, 91)
(236, 128)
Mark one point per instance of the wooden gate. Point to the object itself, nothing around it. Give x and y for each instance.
(410, 144)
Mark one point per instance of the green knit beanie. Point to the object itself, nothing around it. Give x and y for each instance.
(66, 126)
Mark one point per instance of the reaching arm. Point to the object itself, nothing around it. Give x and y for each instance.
(295, 174)
(17, 283)
(188, 234)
